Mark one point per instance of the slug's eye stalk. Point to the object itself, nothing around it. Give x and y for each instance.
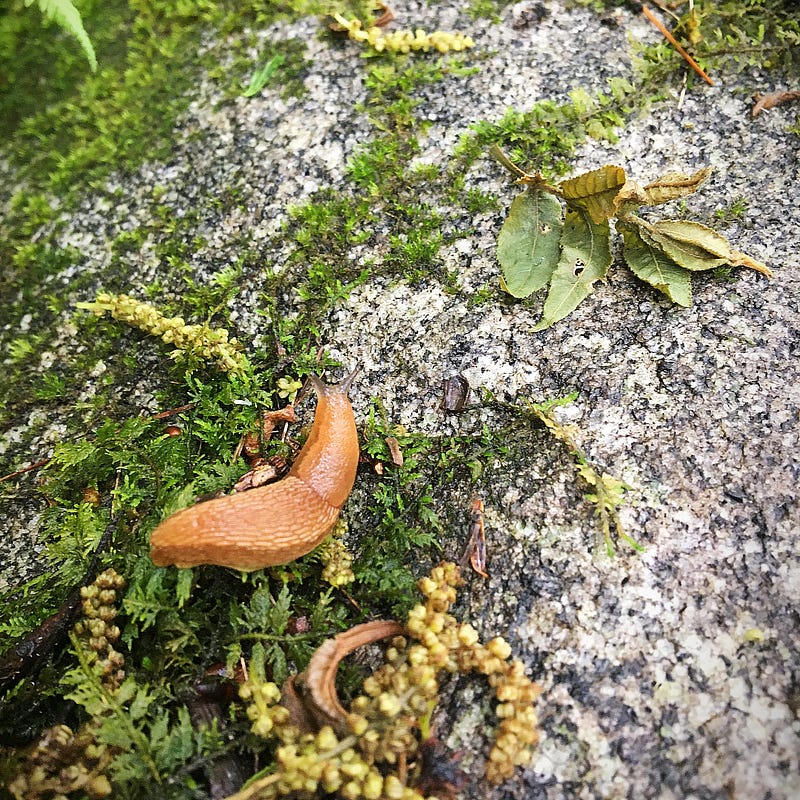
(279, 522)
(343, 387)
(345, 384)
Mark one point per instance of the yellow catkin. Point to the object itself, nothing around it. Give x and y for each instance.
(201, 341)
(389, 719)
(404, 41)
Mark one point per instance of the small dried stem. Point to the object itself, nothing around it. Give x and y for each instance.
(674, 42)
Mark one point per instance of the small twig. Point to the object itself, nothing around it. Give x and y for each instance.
(674, 42)
(498, 155)
(536, 180)
(172, 411)
(22, 471)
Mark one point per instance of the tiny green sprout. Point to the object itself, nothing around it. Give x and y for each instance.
(605, 492)
(733, 212)
(288, 388)
(262, 76)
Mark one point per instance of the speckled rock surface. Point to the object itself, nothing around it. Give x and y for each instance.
(671, 674)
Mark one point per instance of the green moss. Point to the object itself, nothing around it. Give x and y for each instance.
(487, 9)
(545, 137)
(722, 35)
(42, 65)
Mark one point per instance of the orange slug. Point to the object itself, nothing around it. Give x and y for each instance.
(279, 522)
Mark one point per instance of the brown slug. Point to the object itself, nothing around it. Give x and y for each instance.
(279, 522)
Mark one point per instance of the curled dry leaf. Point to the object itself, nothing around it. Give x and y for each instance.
(477, 539)
(595, 192)
(260, 475)
(386, 16)
(629, 198)
(395, 452)
(690, 245)
(674, 185)
(770, 100)
(311, 696)
(694, 246)
(269, 419)
(250, 443)
(651, 265)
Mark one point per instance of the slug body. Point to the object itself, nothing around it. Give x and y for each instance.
(277, 523)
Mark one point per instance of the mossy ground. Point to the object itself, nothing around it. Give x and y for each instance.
(177, 623)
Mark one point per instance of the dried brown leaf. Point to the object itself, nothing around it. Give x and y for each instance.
(395, 452)
(770, 100)
(595, 192)
(674, 185)
(311, 696)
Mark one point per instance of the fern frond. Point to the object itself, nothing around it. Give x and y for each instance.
(64, 13)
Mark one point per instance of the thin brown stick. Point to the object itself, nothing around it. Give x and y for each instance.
(172, 411)
(673, 41)
(25, 469)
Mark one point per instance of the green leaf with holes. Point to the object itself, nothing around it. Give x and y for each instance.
(651, 265)
(527, 246)
(585, 259)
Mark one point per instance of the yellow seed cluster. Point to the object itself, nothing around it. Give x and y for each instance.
(338, 569)
(516, 693)
(369, 756)
(456, 647)
(385, 717)
(201, 341)
(404, 41)
(98, 602)
(262, 710)
(60, 763)
(309, 763)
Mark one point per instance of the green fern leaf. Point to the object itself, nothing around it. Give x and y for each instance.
(64, 13)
